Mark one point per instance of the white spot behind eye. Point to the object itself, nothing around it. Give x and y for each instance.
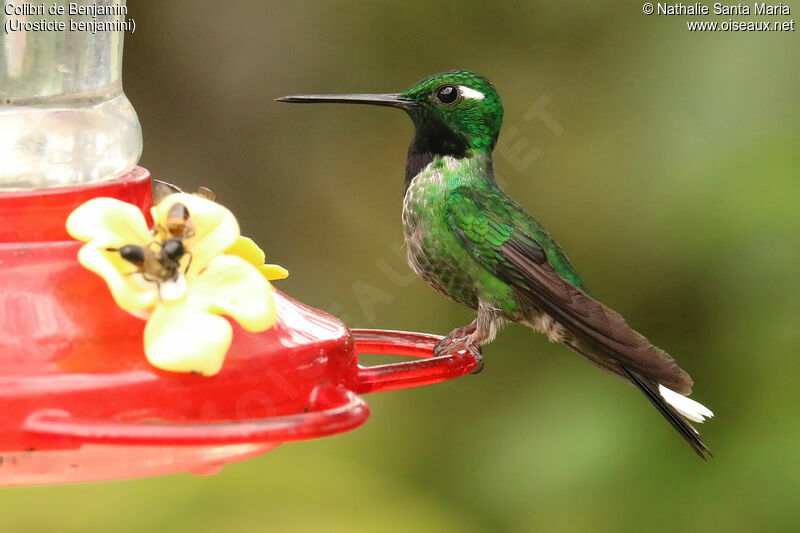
(472, 94)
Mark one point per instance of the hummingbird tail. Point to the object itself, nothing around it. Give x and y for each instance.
(676, 409)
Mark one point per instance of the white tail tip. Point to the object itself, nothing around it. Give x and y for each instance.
(689, 408)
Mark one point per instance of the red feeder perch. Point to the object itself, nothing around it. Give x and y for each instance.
(79, 401)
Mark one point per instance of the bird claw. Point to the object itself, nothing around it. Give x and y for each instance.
(442, 348)
(476, 352)
(457, 335)
(448, 345)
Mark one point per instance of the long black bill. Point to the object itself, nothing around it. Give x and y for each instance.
(389, 100)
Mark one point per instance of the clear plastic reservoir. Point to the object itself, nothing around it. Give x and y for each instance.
(64, 119)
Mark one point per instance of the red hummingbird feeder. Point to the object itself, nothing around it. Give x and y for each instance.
(78, 399)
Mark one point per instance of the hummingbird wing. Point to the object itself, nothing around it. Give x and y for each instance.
(501, 236)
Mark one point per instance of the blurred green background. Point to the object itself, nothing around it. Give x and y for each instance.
(667, 170)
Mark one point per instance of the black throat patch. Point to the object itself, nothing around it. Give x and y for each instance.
(433, 139)
(415, 162)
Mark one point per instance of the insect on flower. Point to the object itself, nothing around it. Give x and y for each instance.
(191, 267)
(160, 260)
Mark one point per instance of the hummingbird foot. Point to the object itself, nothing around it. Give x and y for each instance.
(459, 334)
(478, 354)
(447, 346)
(461, 339)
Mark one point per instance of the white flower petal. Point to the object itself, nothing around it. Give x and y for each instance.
(180, 338)
(108, 222)
(173, 290)
(232, 286)
(129, 289)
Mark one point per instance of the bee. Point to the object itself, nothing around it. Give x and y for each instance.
(162, 189)
(160, 261)
(179, 223)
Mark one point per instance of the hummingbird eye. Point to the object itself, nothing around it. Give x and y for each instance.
(447, 94)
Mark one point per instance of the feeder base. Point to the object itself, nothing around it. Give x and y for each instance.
(102, 463)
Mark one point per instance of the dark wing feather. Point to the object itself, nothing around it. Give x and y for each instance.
(503, 238)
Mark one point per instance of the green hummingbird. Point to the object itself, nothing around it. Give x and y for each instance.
(471, 242)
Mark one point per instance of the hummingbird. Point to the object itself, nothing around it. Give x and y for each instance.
(466, 238)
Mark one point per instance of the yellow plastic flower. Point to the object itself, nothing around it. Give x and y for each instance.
(219, 273)
(248, 250)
